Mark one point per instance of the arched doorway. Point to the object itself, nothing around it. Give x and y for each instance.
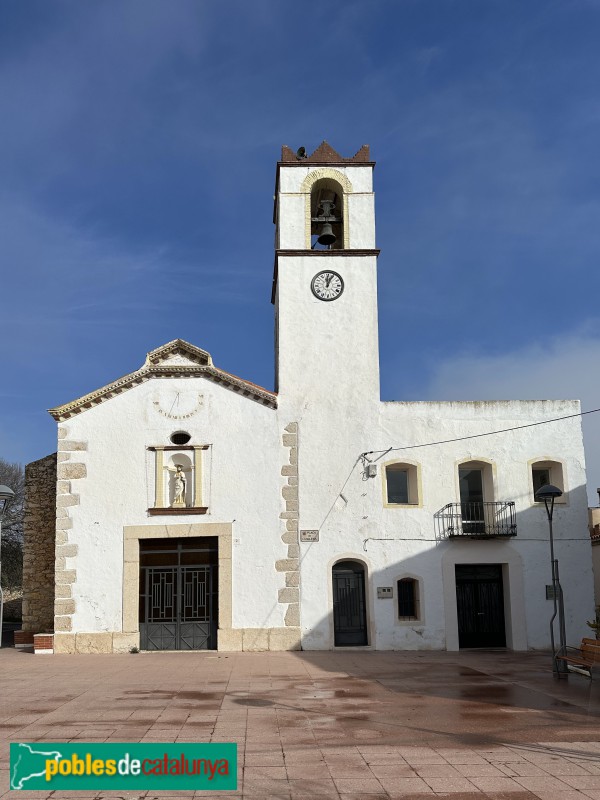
(349, 604)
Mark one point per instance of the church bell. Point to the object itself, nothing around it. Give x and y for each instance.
(327, 236)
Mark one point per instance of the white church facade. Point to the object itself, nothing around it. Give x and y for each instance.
(196, 510)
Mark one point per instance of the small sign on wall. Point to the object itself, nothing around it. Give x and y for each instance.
(385, 592)
(309, 536)
(551, 592)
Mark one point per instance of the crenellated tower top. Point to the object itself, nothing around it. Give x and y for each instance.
(324, 154)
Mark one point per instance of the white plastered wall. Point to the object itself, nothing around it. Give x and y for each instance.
(242, 482)
(294, 190)
(350, 515)
(329, 383)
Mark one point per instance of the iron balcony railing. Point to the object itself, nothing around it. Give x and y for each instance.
(476, 520)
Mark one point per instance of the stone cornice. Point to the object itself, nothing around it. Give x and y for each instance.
(329, 253)
(155, 367)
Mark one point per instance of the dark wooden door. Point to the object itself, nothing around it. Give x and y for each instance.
(349, 607)
(480, 605)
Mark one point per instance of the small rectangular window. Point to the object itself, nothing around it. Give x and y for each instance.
(541, 477)
(397, 485)
(407, 599)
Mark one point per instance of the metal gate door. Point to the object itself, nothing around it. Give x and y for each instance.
(178, 601)
(480, 605)
(349, 610)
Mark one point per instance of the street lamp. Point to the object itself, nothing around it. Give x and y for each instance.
(6, 495)
(548, 494)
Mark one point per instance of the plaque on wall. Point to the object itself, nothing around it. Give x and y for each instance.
(309, 536)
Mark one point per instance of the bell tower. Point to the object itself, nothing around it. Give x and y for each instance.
(325, 280)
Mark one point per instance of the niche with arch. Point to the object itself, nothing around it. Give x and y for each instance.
(178, 477)
(327, 215)
(409, 593)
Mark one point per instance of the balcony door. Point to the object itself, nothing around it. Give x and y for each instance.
(470, 481)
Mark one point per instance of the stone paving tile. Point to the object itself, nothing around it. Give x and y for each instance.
(450, 785)
(385, 759)
(393, 771)
(582, 781)
(359, 796)
(416, 724)
(316, 772)
(543, 794)
(591, 765)
(564, 767)
(524, 769)
(494, 784)
(398, 786)
(364, 786)
(478, 770)
(264, 760)
(437, 771)
(547, 783)
(258, 773)
(306, 789)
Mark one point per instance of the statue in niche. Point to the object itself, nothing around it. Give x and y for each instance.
(179, 485)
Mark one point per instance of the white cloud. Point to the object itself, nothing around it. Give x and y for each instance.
(565, 367)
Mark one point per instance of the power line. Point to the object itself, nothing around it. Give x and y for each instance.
(479, 435)
(447, 441)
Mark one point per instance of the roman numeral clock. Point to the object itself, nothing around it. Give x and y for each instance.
(327, 285)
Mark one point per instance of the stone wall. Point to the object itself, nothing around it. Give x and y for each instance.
(38, 554)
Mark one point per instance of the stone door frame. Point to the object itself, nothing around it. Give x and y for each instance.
(131, 566)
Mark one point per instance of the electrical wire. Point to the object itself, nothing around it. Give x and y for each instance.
(430, 539)
(479, 435)
(363, 456)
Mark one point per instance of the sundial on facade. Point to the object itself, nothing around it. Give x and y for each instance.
(177, 404)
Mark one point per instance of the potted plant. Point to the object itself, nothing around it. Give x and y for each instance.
(595, 624)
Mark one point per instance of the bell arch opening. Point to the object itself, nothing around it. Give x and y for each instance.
(327, 215)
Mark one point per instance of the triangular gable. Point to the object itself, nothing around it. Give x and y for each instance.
(178, 352)
(176, 359)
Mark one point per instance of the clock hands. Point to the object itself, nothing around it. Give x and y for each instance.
(327, 285)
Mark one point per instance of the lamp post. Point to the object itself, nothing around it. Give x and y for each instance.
(548, 494)
(6, 495)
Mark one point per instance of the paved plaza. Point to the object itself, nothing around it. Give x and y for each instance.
(333, 725)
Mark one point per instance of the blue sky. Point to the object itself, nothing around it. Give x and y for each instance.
(138, 143)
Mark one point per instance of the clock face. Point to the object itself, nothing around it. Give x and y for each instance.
(327, 285)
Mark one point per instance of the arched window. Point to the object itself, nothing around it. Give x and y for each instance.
(547, 471)
(327, 215)
(476, 489)
(401, 484)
